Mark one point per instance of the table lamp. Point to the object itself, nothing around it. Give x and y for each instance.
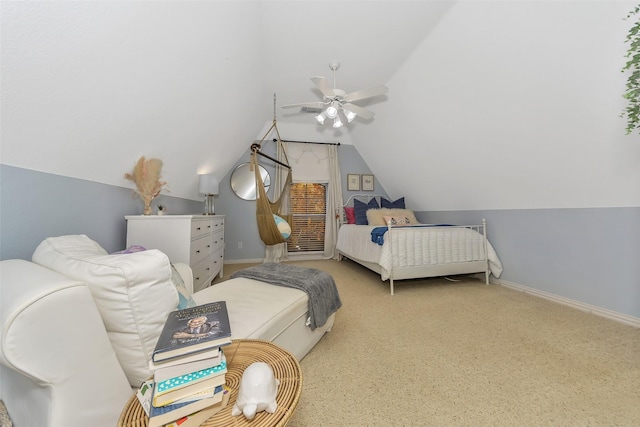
(209, 186)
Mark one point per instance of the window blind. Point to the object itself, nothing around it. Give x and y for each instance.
(309, 208)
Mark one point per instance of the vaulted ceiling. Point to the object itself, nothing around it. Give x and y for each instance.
(88, 87)
(95, 85)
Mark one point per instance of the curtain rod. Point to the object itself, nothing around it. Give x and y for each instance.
(309, 142)
(256, 149)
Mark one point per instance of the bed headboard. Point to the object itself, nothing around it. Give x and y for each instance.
(365, 198)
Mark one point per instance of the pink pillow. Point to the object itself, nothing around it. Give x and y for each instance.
(350, 214)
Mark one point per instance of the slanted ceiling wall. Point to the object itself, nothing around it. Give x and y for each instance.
(496, 109)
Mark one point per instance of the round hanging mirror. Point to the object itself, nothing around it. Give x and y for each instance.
(243, 181)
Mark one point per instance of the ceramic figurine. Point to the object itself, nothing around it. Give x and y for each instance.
(258, 391)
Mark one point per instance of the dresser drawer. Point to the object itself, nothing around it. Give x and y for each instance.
(217, 240)
(187, 239)
(217, 259)
(201, 227)
(217, 224)
(202, 273)
(200, 248)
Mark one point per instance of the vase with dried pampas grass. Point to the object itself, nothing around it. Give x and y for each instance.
(146, 176)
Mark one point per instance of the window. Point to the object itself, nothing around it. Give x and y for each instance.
(309, 209)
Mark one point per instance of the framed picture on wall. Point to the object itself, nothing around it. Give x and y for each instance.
(353, 182)
(367, 182)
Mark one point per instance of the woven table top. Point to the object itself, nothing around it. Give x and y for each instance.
(240, 354)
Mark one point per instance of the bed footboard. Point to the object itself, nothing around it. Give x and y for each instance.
(431, 251)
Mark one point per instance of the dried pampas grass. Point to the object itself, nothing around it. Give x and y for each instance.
(146, 176)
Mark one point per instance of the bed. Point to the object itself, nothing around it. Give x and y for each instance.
(401, 248)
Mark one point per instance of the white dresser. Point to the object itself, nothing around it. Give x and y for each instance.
(197, 240)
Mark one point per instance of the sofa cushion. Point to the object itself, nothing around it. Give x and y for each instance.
(257, 310)
(134, 294)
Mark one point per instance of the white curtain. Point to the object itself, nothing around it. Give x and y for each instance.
(278, 253)
(319, 163)
(334, 203)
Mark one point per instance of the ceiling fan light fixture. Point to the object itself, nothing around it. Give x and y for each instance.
(321, 117)
(331, 111)
(336, 104)
(350, 115)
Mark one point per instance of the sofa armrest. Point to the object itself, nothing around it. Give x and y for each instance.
(58, 364)
(187, 275)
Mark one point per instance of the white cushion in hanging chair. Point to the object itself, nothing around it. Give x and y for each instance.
(283, 226)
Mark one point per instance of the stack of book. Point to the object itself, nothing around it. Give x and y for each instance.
(189, 366)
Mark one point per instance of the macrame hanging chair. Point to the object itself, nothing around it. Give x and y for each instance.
(270, 234)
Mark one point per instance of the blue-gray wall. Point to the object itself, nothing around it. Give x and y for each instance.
(586, 255)
(36, 205)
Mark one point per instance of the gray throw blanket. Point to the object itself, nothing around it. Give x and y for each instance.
(324, 299)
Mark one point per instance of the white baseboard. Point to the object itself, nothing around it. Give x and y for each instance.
(598, 311)
(244, 261)
(290, 257)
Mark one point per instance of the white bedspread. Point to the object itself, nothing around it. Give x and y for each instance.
(416, 246)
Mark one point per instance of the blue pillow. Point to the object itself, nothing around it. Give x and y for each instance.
(361, 209)
(398, 204)
(184, 299)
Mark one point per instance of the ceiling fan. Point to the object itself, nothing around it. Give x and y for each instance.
(336, 103)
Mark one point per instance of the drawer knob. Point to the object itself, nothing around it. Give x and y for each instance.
(198, 252)
(198, 228)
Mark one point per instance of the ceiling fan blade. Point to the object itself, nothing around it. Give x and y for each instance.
(305, 104)
(365, 114)
(366, 93)
(324, 87)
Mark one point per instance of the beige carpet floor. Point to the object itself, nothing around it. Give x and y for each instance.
(444, 353)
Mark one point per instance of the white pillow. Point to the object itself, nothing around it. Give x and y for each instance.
(133, 292)
(376, 216)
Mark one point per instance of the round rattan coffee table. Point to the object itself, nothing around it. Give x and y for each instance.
(240, 354)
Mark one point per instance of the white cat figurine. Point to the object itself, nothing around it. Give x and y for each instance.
(258, 391)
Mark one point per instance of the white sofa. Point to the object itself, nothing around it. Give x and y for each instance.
(79, 325)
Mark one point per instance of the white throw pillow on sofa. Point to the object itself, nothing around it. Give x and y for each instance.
(133, 292)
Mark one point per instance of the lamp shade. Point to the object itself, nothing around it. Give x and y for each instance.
(208, 184)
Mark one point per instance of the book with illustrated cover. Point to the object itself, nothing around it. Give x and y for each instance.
(162, 374)
(196, 419)
(159, 416)
(193, 329)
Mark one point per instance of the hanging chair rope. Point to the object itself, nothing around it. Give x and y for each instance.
(265, 209)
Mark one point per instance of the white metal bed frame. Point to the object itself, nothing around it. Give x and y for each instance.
(421, 271)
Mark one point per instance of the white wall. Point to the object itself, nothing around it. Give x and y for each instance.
(510, 105)
(89, 87)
